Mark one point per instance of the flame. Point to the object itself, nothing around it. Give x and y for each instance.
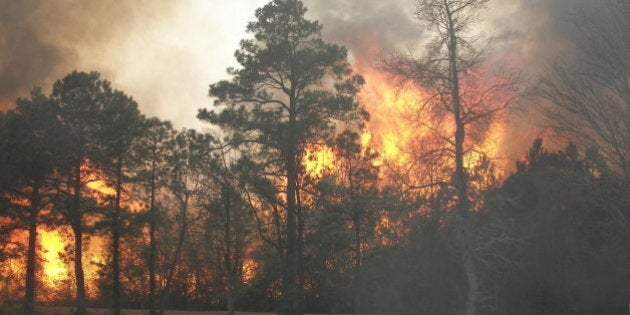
(54, 268)
(250, 268)
(55, 265)
(101, 187)
(389, 129)
(318, 159)
(102, 191)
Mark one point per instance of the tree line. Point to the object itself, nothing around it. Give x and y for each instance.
(237, 220)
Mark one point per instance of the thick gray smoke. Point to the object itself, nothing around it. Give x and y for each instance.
(41, 41)
(25, 57)
(369, 28)
(526, 33)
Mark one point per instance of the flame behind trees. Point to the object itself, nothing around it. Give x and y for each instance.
(457, 99)
(33, 136)
(315, 193)
(279, 101)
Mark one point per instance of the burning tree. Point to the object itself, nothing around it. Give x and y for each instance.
(459, 106)
(151, 150)
(121, 124)
(293, 88)
(99, 125)
(78, 97)
(31, 142)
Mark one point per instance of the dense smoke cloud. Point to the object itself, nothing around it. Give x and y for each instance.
(370, 29)
(526, 34)
(165, 53)
(43, 40)
(25, 57)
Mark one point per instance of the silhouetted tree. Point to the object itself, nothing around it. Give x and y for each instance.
(119, 126)
(79, 98)
(185, 153)
(448, 73)
(151, 151)
(31, 142)
(292, 87)
(574, 251)
(357, 177)
(229, 219)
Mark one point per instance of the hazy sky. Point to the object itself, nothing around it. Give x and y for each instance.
(165, 53)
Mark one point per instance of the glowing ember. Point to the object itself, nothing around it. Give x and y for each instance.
(250, 267)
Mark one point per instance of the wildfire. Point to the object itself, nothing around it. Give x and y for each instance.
(54, 268)
(318, 159)
(399, 120)
(389, 129)
(101, 187)
(250, 267)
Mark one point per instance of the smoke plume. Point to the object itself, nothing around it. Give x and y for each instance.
(40, 41)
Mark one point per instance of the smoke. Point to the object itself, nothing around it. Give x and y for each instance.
(25, 57)
(526, 36)
(370, 29)
(43, 40)
(165, 53)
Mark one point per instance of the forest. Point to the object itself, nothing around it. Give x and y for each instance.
(321, 185)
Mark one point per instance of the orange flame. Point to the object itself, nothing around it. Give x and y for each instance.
(318, 159)
(250, 268)
(388, 130)
(54, 268)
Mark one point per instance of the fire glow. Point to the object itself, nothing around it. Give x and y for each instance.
(399, 117)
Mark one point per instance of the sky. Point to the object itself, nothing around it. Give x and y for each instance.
(166, 53)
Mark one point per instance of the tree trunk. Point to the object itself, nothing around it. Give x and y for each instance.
(291, 289)
(229, 269)
(473, 281)
(357, 265)
(290, 281)
(300, 238)
(153, 244)
(77, 228)
(78, 267)
(29, 296)
(170, 273)
(460, 178)
(116, 240)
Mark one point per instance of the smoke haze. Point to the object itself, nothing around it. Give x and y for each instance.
(165, 53)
